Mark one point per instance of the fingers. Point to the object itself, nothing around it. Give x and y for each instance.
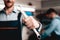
(28, 22)
(26, 19)
(31, 23)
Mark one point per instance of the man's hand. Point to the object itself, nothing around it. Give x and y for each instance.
(31, 23)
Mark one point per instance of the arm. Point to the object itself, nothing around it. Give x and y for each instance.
(51, 28)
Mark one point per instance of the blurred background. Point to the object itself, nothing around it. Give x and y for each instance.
(41, 6)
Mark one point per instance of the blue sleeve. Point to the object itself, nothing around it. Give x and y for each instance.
(51, 28)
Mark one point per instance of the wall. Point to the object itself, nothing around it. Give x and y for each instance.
(25, 2)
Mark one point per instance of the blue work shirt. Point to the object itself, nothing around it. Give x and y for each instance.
(54, 26)
(10, 22)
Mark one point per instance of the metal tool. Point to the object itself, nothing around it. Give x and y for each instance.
(25, 16)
